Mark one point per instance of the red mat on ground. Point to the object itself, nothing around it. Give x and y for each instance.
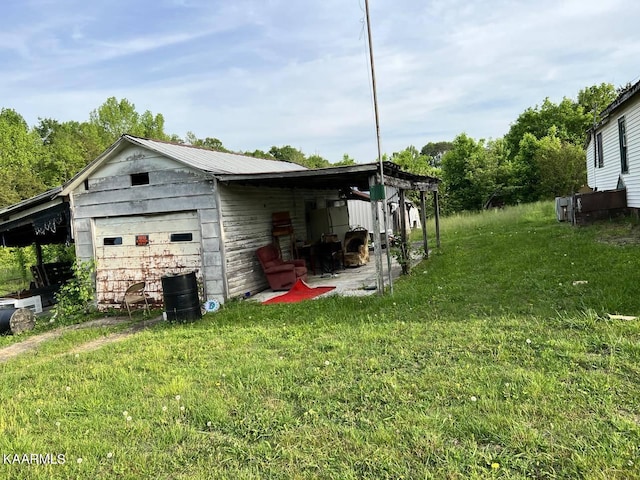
(300, 291)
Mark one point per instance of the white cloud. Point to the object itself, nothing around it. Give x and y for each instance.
(271, 72)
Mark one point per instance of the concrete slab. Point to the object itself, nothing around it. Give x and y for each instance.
(351, 281)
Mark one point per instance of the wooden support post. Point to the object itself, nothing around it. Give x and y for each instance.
(423, 220)
(436, 207)
(404, 242)
(38, 254)
(377, 248)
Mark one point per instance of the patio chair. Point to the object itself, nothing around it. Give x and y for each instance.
(356, 248)
(135, 295)
(280, 274)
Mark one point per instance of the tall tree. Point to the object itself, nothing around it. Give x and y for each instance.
(411, 160)
(525, 168)
(67, 148)
(288, 154)
(559, 166)
(346, 160)
(434, 151)
(568, 117)
(20, 157)
(260, 154)
(475, 172)
(596, 98)
(114, 118)
(208, 142)
(316, 161)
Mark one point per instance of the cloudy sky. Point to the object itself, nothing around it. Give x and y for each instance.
(257, 73)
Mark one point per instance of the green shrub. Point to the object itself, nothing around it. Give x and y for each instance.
(76, 298)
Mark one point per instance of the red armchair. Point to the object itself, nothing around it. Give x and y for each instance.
(280, 274)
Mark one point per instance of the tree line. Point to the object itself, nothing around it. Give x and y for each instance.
(541, 156)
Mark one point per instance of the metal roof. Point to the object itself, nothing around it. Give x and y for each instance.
(40, 199)
(336, 178)
(213, 161)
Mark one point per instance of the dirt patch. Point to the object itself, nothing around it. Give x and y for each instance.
(115, 337)
(32, 343)
(620, 241)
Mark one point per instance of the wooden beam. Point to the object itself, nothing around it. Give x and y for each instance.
(404, 244)
(436, 207)
(423, 220)
(377, 248)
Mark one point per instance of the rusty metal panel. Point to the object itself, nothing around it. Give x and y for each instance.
(605, 200)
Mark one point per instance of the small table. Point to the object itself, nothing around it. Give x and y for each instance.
(306, 252)
(330, 256)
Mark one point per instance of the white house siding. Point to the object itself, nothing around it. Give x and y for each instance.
(632, 179)
(606, 178)
(246, 226)
(172, 188)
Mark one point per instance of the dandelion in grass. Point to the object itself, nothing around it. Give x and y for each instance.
(218, 384)
(528, 341)
(110, 455)
(182, 408)
(177, 398)
(129, 418)
(164, 408)
(68, 389)
(327, 363)
(79, 460)
(495, 466)
(125, 413)
(474, 398)
(208, 424)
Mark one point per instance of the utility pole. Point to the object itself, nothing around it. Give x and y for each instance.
(375, 107)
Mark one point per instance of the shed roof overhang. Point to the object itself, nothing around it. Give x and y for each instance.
(43, 219)
(336, 178)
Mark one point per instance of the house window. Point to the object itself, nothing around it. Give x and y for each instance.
(599, 150)
(182, 237)
(622, 135)
(112, 241)
(140, 179)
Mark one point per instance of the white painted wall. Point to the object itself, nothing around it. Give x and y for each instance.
(606, 177)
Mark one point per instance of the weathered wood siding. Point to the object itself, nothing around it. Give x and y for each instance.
(246, 224)
(606, 177)
(172, 188)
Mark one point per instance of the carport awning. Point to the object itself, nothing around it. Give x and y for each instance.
(336, 178)
(44, 219)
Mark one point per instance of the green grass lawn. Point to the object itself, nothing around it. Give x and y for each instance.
(495, 358)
